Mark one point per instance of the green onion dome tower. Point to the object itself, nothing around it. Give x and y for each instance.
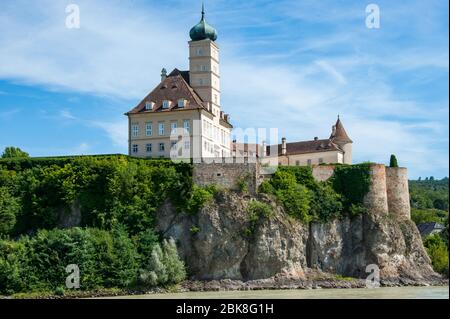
(203, 30)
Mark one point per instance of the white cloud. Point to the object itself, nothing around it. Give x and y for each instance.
(117, 131)
(66, 114)
(119, 51)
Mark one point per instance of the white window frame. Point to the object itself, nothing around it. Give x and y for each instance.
(148, 129)
(161, 147)
(187, 125)
(135, 148)
(173, 127)
(166, 104)
(135, 130)
(148, 147)
(161, 129)
(149, 105)
(181, 103)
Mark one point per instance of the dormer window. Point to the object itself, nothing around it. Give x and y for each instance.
(181, 103)
(149, 105)
(165, 104)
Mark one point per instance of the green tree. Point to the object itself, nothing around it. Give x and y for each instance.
(164, 266)
(438, 252)
(393, 161)
(9, 208)
(13, 152)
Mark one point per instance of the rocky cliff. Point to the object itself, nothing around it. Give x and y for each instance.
(219, 242)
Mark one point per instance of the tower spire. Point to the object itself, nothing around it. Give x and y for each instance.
(203, 10)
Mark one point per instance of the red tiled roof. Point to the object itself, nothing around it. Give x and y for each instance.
(305, 147)
(339, 135)
(173, 88)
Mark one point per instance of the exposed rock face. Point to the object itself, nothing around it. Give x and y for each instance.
(223, 248)
(216, 244)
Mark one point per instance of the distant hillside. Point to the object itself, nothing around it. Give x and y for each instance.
(433, 190)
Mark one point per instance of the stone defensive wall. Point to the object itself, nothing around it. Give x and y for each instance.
(388, 193)
(227, 172)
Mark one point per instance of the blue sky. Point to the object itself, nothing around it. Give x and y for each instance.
(293, 65)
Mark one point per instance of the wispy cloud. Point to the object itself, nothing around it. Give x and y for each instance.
(289, 64)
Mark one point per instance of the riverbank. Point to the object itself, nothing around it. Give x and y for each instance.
(324, 281)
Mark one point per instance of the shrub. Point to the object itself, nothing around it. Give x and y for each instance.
(199, 197)
(266, 188)
(243, 184)
(303, 175)
(352, 182)
(438, 252)
(326, 204)
(257, 209)
(296, 200)
(164, 267)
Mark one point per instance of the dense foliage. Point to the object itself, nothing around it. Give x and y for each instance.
(438, 252)
(108, 191)
(116, 198)
(429, 203)
(308, 200)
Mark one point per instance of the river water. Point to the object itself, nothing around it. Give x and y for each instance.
(363, 293)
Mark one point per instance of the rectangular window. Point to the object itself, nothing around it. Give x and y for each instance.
(135, 149)
(173, 144)
(187, 125)
(309, 162)
(165, 104)
(173, 127)
(161, 147)
(135, 130)
(148, 148)
(297, 163)
(161, 128)
(181, 103)
(148, 129)
(320, 160)
(149, 105)
(204, 68)
(187, 144)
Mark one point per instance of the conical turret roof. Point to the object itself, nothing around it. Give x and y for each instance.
(339, 135)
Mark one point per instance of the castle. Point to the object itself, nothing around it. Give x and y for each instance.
(183, 117)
